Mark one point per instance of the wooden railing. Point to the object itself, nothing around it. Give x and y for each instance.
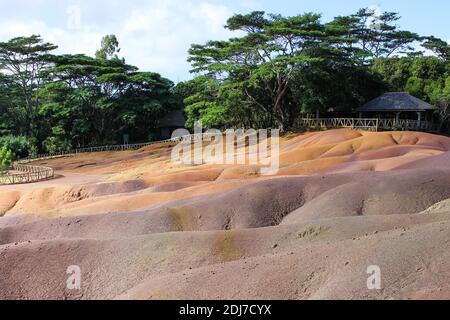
(328, 123)
(29, 174)
(366, 124)
(35, 173)
(403, 124)
(120, 147)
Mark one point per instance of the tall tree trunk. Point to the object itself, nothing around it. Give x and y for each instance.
(279, 103)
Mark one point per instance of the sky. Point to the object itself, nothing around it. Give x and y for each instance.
(155, 35)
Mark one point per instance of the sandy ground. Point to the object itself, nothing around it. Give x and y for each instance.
(142, 227)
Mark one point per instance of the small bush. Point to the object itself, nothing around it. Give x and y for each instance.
(5, 160)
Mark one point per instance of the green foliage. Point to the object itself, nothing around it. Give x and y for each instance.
(421, 76)
(281, 66)
(5, 159)
(109, 48)
(70, 101)
(261, 63)
(202, 105)
(439, 93)
(415, 86)
(23, 59)
(274, 69)
(439, 47)
(378, 35)
(20, 146)
(55, 144)
(426, 77)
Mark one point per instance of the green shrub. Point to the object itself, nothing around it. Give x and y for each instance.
(5, 159)
(56, 144)
(20, 146)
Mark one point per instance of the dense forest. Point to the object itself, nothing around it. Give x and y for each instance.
(274, 70)
(51, 103)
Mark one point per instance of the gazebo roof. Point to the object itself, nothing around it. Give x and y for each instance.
(174, 119)
(396, 101)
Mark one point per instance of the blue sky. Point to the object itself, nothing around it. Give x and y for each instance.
(156, 34)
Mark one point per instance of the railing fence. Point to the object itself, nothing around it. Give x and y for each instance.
(366, 124)
(35, 173)
(38, 173)
(29, 174)
(326, 123)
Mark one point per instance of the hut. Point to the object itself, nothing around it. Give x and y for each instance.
(172, 121)
(397, 105)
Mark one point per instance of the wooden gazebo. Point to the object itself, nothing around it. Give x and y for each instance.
(398, 106)
(391, 111)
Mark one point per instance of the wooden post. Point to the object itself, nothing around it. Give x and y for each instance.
(419, 118)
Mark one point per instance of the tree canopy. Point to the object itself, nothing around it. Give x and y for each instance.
(60, 102)
(279, 67)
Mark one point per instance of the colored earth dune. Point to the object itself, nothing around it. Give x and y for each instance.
(142, 227)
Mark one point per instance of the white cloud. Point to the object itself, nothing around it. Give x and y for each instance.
(154, 35)
(157, 37)
(68, 41)
(376, 9)
(213, 16)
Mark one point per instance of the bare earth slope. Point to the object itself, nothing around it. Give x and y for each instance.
(142, 227)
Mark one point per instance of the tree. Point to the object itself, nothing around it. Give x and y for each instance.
(439, 93)
(146, 98)
(11, 118)
(438, 46)
(416, 87)
(94, 101)
(394, 72)
(109, 48)
(60, 102)
(280, 66)
(411, 73)
(20, 146)
(371, 36)
(23, 59)
(201, 102)
(334, 86)
(266, 56)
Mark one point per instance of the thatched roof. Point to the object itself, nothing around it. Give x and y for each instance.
(174, 119)
(396, 101)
